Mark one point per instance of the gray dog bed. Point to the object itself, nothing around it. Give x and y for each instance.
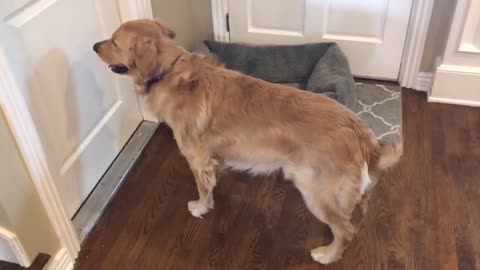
(318, 67)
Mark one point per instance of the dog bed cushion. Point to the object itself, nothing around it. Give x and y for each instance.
(316, 67)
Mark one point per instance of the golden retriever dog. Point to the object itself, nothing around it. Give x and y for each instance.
(222, 118)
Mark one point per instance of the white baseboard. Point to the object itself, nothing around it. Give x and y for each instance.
(454, 101)
(61, 261)
(14, 251)
(423, 81)
(456, 85)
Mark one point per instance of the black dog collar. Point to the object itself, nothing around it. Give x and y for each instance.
(159, 77)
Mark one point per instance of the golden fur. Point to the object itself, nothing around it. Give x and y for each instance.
(222, 118)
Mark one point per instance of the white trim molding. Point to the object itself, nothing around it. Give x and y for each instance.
(454, 101)
(470, 35)
(28, 12)
(61, 261)
(21, 124)
(219, 13)
(414, 44)
(456, 85)
(423, 81)
(16, 246)
(458, 76)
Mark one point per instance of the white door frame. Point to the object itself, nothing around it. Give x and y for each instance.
(457, 76)
(21, 123)
(410, 75)
(219, 20)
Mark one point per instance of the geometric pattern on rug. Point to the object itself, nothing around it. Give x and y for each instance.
(380, 107)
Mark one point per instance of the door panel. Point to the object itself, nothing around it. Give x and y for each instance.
(287, 17)
(350, 19)
(370, 32)
(84, 113)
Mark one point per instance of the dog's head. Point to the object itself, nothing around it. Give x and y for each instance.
(142, 49)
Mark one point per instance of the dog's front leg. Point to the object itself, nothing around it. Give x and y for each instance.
(205, 172)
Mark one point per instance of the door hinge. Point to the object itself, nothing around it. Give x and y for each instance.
(227, 20)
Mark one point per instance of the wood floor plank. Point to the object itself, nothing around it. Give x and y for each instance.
(422, 215)
(37, 264)
(9, 266)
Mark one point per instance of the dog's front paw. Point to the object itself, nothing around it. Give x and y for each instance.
(324, 255)
(197, 209)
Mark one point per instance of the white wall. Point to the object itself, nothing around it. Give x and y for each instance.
(202, 19)
(191, 20)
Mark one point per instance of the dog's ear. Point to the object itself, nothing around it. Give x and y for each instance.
(144, 57)
(167, 31)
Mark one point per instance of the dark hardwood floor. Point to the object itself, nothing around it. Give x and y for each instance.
(9, 266)
(425, 214)
(38, 264)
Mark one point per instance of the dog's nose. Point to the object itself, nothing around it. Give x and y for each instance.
(96, 46)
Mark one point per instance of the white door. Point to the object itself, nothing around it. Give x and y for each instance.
(83, 112)
(370, 32)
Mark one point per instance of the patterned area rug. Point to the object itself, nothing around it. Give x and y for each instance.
(381, 108)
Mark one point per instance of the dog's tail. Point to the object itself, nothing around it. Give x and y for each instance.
(390, 154)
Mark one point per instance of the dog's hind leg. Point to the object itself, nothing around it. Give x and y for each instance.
(323, 205)
(205, 171)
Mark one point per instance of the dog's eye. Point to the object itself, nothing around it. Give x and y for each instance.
(114, 44)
